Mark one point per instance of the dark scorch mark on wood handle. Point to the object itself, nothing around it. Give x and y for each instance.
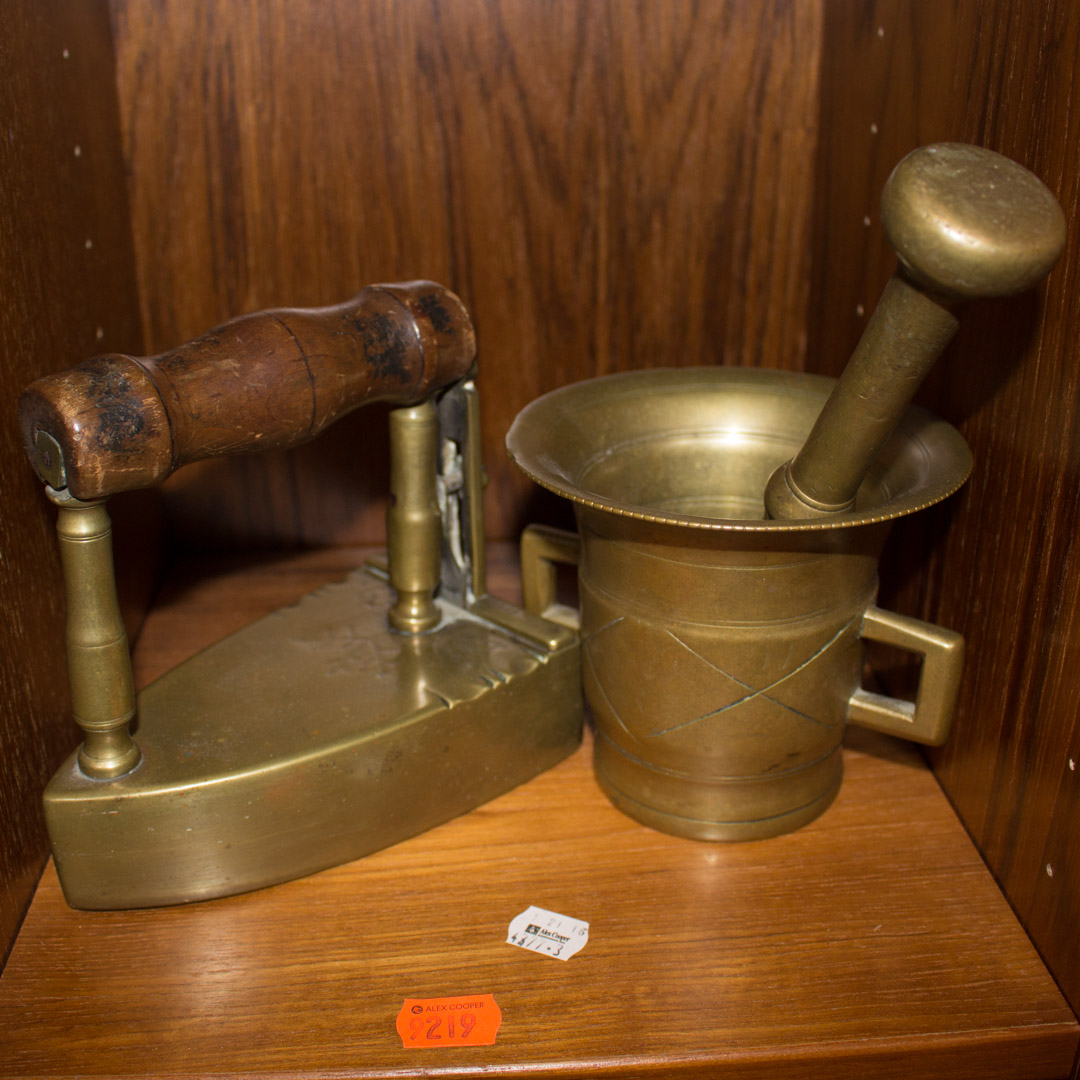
(120, 419)
(383, 345)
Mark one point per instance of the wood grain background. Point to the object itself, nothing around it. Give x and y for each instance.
(1000, 562)
(607, 186)
(67, 266)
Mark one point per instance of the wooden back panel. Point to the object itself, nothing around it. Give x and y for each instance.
(67, 266)
(606, 186)
(999, 562)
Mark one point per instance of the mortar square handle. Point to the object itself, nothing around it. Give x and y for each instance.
(929, 717)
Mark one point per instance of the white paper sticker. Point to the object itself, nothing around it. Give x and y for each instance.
(547, 932)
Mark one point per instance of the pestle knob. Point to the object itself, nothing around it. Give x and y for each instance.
(966, 223)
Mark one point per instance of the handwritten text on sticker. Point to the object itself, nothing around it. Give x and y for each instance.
(548, 933)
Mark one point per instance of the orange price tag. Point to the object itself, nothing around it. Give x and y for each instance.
(472, 1020)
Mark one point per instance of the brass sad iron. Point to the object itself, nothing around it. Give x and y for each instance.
(372, 710)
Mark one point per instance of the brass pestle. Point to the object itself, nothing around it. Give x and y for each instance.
(966, 223)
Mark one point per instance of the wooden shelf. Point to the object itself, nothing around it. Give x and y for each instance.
(872, 943)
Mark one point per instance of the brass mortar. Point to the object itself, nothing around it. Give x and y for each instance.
(723, 653)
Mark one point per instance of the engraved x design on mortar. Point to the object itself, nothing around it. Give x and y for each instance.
(746, 691)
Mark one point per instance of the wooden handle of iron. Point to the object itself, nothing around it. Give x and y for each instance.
(266, 381)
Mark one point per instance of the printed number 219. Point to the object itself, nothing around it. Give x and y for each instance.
(455, 1026)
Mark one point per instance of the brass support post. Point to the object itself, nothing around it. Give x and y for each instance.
(413, 521)
(474, 485)
(99, 663)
